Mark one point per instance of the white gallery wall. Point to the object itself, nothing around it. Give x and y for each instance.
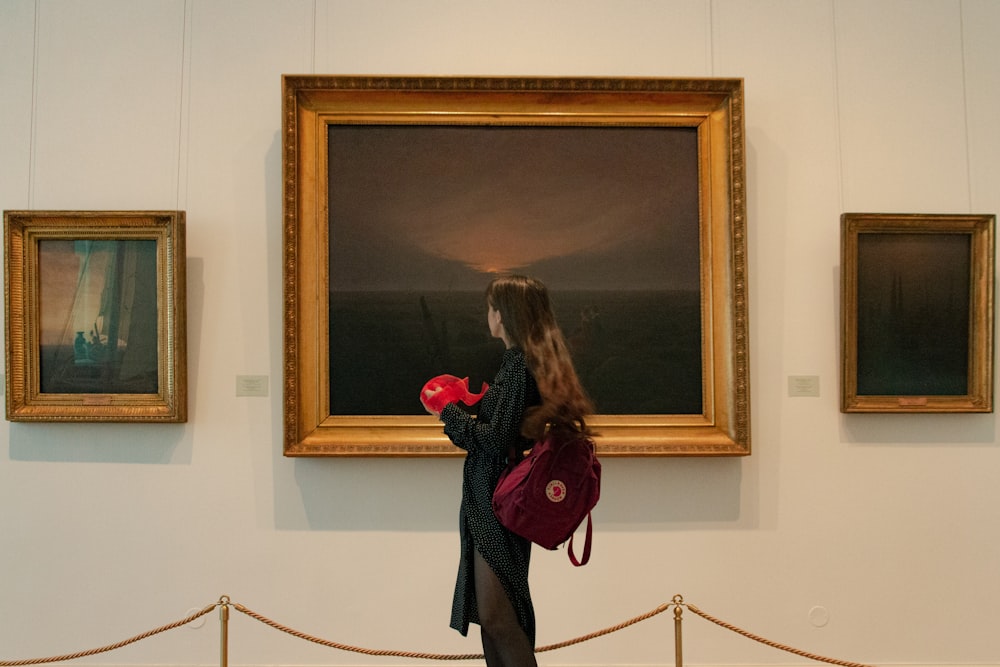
(869, 538)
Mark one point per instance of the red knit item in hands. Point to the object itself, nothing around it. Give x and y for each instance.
(444, 389)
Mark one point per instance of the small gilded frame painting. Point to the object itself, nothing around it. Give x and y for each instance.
(95, 316)
(917, 312)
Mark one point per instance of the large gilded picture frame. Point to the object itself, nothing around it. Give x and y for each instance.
(95, 316)
(917, 309)
(393, 183)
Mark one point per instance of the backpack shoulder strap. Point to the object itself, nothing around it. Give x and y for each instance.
(585, 556)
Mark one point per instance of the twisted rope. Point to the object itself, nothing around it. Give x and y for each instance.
(347, 647)
(772, 644)
(606, 631)
(436, 656)
(111, 647)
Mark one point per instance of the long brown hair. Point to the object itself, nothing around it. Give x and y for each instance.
(528, 320)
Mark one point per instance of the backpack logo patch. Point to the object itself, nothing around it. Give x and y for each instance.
(555, 491)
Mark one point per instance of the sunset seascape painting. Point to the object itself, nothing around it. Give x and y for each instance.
(422, 217)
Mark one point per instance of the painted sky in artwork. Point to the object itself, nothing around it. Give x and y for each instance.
(432, 208)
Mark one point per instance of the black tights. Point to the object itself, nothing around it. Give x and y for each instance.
(504, 641)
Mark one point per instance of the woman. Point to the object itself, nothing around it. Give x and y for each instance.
(536, 388)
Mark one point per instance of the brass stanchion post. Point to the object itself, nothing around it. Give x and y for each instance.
(678, 611)
(224, 630)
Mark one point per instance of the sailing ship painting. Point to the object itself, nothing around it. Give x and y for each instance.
(99, 316)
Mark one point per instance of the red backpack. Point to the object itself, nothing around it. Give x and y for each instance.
(546, 496)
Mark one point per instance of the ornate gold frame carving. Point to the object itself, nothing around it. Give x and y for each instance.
(311, 103)
(78, 389)
(940, 274)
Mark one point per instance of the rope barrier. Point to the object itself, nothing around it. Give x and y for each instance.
(111, 647)
(224, 602)
(772, 644)
(438, 656)
(347, 647)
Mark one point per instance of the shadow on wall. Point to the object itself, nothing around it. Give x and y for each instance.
(100, 443)
(919, 430)
(423, 494)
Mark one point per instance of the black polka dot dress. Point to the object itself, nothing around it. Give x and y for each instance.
(488, 439)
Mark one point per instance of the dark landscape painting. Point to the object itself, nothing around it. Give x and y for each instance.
(913, 314)
(422, 217)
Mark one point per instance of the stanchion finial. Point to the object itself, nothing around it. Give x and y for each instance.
(678, 641)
